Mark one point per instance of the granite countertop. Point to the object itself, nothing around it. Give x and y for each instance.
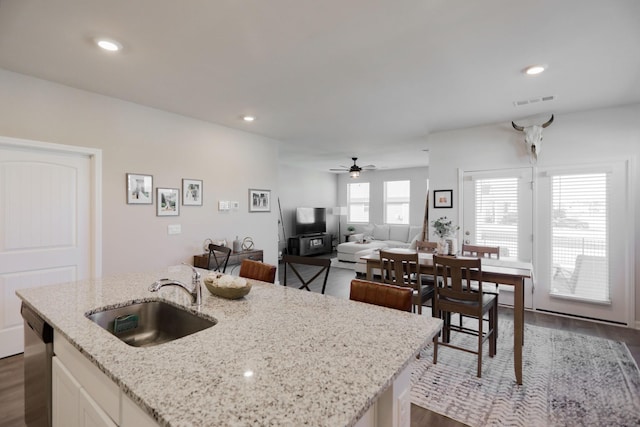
(316, 359)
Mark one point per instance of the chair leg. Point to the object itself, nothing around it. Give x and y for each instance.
(480, 324)
(435, 349)
(493, 327)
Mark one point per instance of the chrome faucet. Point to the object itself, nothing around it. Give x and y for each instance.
(195, 289)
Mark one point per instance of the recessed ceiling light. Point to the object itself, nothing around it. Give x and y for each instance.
(108, 44)
(534, 69)
(248, 118)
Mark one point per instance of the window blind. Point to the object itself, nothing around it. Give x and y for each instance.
(579, 236)
(497, 214)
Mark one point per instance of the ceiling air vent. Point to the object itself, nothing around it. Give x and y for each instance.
(533, 100)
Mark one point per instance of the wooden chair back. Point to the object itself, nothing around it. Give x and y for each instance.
(398, 297)
(398, 268)
(306, 275)
(258, 270)
(220, 256)
(481, 251)
(426, 246)
(454, 288)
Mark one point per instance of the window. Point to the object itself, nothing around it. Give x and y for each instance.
(497, 214)
(579, 253)
(397, 196)
(497, 207)
(358, 202)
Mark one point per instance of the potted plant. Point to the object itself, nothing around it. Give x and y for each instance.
(443, 228)
(351, 229)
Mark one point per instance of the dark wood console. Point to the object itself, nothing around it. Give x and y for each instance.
(310, 245)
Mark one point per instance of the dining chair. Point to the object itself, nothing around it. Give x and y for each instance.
(220, 256)
(482, 252)
(257, 270)
(382, 294)
(307, 269)
(453, 294)
(402, 269)
(426, 246)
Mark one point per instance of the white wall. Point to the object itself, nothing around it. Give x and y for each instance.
(304, 188)
(137, 139)
(578, 138)
(376, 179)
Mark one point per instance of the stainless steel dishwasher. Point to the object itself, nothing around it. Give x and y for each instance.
(38, 351)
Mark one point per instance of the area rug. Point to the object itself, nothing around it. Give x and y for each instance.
(569, 379)
(335, 263)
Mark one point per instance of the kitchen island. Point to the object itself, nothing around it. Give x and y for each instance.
(279, 356)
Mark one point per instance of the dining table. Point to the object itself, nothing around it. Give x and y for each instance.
(505, 271)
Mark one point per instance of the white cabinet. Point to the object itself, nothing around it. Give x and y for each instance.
(72, 405)
(90, 414)
(83, 396)
(66, 394)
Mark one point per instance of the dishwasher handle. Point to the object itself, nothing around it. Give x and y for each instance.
(37, 323)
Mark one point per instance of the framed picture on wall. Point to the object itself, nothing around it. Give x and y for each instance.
(139, 189)
(443, 199)
(259, 200)
(168, 203)
(192, 192)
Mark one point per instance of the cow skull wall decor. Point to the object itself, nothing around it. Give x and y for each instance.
(533, 138)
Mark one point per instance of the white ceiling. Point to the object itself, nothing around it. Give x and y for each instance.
(332, 79)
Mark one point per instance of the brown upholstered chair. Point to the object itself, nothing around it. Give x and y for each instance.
(454, 294)
(401, 269)
(391, 296)
(257, 270)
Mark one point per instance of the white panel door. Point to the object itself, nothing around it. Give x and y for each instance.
(45, 204)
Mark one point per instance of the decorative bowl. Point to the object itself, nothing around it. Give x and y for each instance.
(226, 286)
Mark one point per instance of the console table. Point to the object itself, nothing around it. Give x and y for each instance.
(201, 261)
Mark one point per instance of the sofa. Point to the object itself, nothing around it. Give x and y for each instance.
(378, 236)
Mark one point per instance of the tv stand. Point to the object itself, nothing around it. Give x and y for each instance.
(312, 244)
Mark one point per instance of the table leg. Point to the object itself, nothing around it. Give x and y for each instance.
(369, 270)
(518, 333)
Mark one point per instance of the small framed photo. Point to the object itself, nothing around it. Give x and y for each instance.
(443, 199)
(259, 200)
(168, 203)
(139, 189)
(192, 192)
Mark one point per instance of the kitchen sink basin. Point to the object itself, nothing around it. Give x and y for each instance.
(150, 323)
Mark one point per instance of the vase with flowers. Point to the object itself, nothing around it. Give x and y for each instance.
(443, 228)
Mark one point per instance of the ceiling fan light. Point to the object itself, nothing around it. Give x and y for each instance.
(354, 174)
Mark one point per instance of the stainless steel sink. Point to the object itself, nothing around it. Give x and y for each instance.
(150, 323)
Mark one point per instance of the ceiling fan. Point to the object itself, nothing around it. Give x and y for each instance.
(354, 171)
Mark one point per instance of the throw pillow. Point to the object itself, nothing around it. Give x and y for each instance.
(381, 232)
(414, 230)
(399, 233)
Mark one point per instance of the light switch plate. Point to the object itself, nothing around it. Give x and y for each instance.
(223, 205)
(174, 229)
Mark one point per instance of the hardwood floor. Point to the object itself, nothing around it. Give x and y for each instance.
(11, 368)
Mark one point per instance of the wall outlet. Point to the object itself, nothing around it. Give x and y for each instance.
(235, 205)
(174, 229)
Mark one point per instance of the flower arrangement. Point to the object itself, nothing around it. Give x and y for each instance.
(444, 227)
(351, 229)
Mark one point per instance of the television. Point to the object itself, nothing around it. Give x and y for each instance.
(311, 221)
